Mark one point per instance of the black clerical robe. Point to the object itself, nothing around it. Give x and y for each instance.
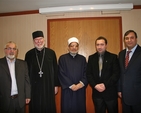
(42, 88)
(72, 70)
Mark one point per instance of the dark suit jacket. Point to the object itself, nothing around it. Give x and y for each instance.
(130, 80)
(23, 83)
(109, 75)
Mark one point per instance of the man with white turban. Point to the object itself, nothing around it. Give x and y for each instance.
(72, 76)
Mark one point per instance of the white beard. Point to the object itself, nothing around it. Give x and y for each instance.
(40, 47)
(11, 56)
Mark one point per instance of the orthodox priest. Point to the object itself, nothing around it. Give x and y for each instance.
(42, 64)
(72, 76)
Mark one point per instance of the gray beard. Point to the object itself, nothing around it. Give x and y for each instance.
(40, 48)
(11, 57)
(73, 54)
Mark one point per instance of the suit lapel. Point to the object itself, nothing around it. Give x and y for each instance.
(105, 62)
(97, 64)
(95, 60)
(17, 65)
(5, 66)
(134, 56)
(123, 59)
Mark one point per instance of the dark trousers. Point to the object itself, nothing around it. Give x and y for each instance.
(14, 107)
(131, 109)
(102, 105)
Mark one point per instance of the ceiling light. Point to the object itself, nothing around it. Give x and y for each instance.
(98, 7)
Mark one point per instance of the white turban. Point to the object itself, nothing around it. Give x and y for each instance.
(73, 39)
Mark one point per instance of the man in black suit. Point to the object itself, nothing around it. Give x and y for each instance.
(14, 81)
(103, 77)
(130, 80)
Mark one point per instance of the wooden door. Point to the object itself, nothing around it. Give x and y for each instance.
(86, 30)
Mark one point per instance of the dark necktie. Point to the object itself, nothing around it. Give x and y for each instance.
(100, 64)
(127, 59)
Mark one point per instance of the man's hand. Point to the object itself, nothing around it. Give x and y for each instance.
(56, 90)
(27, 101)
(77, 86)
(119, 94)
(100, 87)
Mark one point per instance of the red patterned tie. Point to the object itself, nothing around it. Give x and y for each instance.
(127, 59)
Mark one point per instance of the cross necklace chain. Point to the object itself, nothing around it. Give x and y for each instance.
(40, 66)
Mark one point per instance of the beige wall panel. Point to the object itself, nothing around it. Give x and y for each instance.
(19, 29)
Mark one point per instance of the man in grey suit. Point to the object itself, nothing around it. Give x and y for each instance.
(130, 78)
(103, 74)
(14, 81)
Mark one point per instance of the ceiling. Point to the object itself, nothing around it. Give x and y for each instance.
(7, 6)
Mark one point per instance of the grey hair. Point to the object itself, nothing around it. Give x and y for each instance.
(10, 42)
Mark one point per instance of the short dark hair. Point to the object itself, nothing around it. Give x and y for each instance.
(101, 38)
(129, 31)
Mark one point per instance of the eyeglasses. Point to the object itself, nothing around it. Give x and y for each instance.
(9, 48)
(38, 39)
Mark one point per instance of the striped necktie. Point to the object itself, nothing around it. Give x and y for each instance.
(127, 59)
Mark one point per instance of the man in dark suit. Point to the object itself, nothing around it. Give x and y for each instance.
(130, 80)
(103, 78)
(14, 81)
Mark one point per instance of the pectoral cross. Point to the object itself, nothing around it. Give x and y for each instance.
(40, 73)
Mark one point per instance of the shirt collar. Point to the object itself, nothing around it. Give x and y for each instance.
(133, 49)
(8, 60)
(102, 54)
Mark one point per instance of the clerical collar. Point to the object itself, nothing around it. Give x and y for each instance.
(73, 54)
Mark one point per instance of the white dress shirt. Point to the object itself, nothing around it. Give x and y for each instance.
(11, 65)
